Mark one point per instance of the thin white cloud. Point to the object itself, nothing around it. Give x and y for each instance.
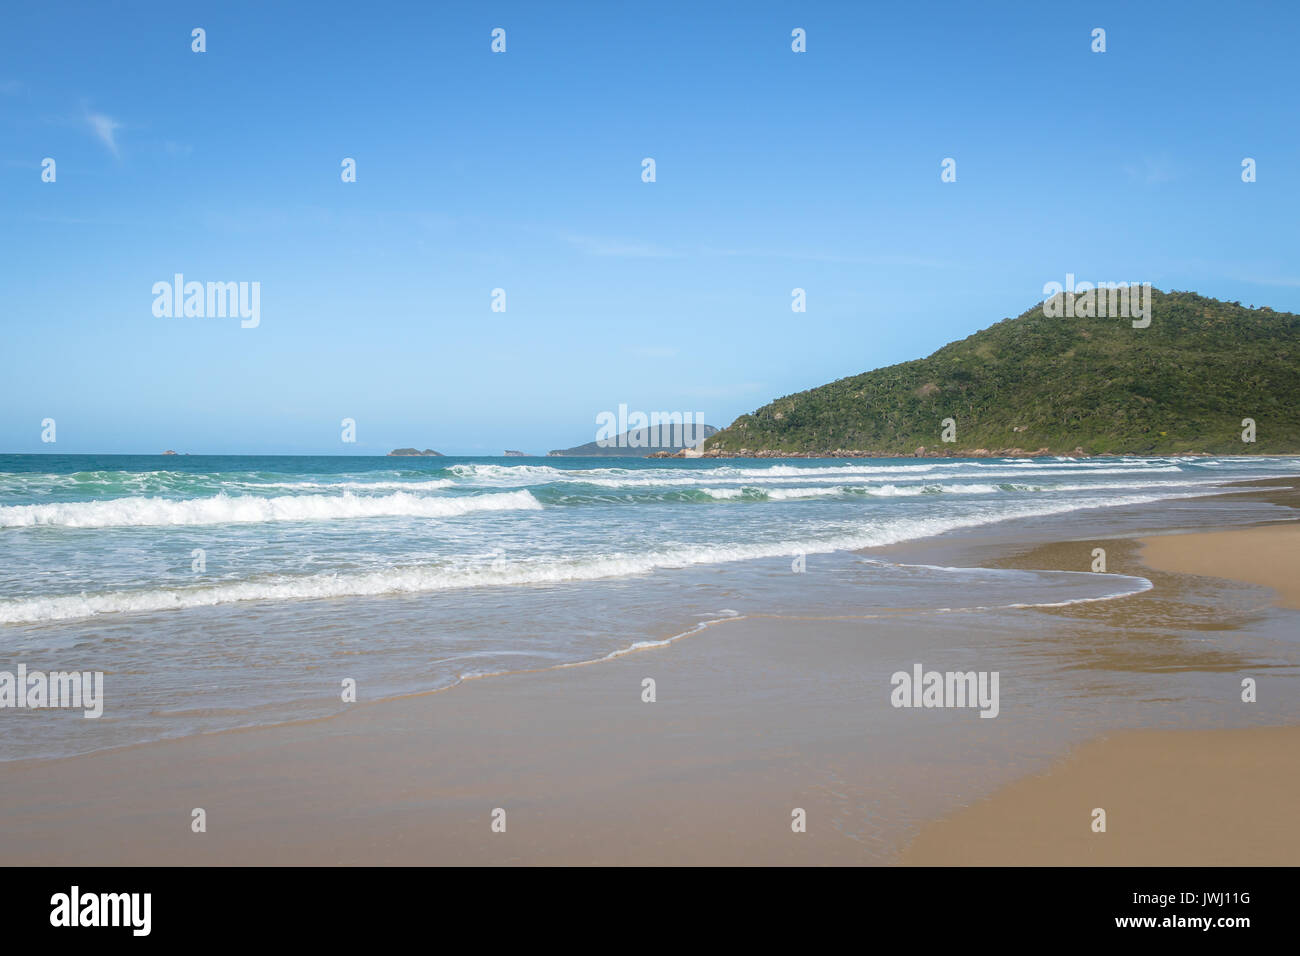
(105, 128)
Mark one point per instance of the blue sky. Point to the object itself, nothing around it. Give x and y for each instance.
(522, 171)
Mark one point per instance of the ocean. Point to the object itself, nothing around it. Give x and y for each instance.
(229, 591)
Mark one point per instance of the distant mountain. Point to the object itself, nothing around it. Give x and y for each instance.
(1038, 384)
(641, 442)
(412, 452)
(510, 453)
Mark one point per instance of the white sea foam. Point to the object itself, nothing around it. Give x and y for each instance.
(532, 474)
(243, 509)
(723, 494)
(891, 490)
(792, 494)
(427, 578)
(432, 484)
(654, 479)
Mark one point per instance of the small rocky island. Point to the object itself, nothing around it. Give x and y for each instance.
(511, 453)
(414, 453)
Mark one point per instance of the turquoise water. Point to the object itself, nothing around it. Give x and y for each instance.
(220, 591)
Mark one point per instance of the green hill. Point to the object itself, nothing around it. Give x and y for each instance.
(1036, 383)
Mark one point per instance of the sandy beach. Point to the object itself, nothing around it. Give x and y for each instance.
(754, 719)
(1207, 798)
(1264, 556)
(587, 772)
(1179, 798)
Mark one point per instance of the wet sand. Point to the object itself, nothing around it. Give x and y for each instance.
(1206, 798)
(742, 732)
(1267, 556)
(1178, 798)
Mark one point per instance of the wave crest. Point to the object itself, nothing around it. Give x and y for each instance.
(249, 509)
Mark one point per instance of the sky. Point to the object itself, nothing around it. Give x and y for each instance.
(522, 171)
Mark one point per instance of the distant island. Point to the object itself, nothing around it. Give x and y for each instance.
(515, 454)
(412, 452)
(1037, 385)
(640, 442)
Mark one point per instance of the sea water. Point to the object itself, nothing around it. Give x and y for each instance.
(226, 591)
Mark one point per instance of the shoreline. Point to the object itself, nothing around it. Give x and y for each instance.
(1171, 797)
(593, 774)
(1251, 555)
